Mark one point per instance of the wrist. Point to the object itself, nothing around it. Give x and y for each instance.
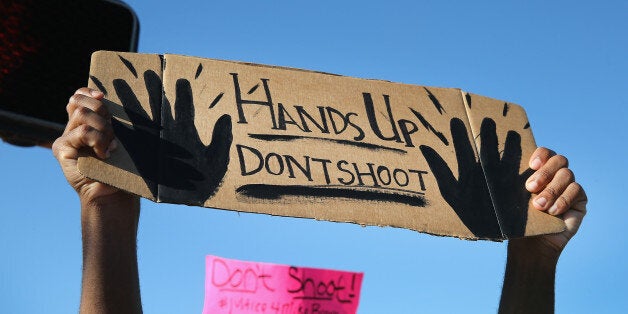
(116, 212)
(533, 252)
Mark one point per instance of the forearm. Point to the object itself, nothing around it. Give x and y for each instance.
(529, 278)
(110, 274)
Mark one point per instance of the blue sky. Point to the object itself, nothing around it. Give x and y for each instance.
(564, 61)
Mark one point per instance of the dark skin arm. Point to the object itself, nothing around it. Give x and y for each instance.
(109, 217)
(531, 263)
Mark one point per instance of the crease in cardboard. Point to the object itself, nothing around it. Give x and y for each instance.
(466, 99)
(161, 130)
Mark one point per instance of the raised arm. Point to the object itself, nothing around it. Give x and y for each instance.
(109, 217)
(531, 265)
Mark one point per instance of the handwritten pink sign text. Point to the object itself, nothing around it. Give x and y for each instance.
(234, 287)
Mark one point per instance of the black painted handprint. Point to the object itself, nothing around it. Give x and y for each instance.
(210, 160)
(167, 149)
(142, 140)
(469, 196)
(507, 186)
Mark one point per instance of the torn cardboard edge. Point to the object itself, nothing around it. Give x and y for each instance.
(218, 123)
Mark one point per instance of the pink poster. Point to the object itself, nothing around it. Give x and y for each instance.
(234, 287)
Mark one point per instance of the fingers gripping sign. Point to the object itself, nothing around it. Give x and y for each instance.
(557, 193)
(88, 127)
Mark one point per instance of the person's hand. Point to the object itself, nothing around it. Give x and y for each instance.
(89, 126)
(558, 194)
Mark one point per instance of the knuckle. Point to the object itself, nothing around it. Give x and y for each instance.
(567, 174)
(543, 151)
(69, 108)
(55, 147)
(83, 130)
(100, 108)
(561, 160)
(551, 192)
(79, 114)
(562, 203)
(60, 148)
(76, 99)
(82, 111)
(579, 190)
(82, 90)
(546, 153)
(64, 153)
(577, 187)
(544, 175)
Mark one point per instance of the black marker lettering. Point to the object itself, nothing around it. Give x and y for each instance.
(370, 173)
(420, 173)
(282, 113)
(403, 125)
(388, 179)
(323, 127)
(324, 163)
(307, 171)
(361, 134)
(406, 179)
(370, 113)
(240, 102)
(258, 155)
(279, 163)
(341, 180)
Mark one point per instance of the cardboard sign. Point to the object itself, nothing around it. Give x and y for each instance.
(297, 143)
(239, 287)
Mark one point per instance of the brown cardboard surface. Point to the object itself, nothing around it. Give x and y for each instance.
(297, 143)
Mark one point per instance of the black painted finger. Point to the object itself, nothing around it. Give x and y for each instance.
(153, 87)
(167, 119)
(488, 148)
(464, 150)
(570, 197)
(511, 158)
(444, 177)
(132, 106)
(540, 156)
(222, 138)
(545, 174)
(553, 190)
(184, 105)
(142, 144)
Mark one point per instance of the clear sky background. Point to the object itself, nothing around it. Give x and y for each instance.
(566, 62)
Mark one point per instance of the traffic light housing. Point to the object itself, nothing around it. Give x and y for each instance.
(45, 50)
